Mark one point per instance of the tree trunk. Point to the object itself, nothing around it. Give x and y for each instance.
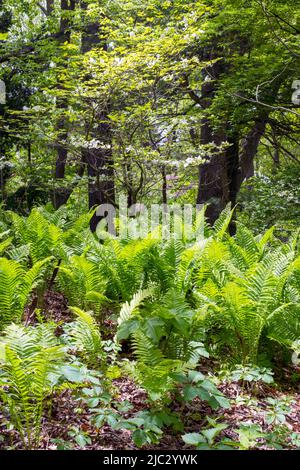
(164, 186)
(249, 148)
(276, 145)
(128, 181)
(5, 170)
(100, 171)
(233, 174)
(62, 194)
(99, 159)
(221, 177)
(213, 179)
(49, 6)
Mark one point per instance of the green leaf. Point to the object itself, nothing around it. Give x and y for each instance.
(139, 437)
(211, 434)
(190, 392)
(73, 373)
(82, 440)
(127, 328)
(193, 438)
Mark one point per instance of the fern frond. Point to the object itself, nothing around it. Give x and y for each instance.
(84, 334)
(129, 308)
(27, 366)
(145, 351)
(222, 224)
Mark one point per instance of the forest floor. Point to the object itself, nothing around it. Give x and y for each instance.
(194, 417)
(63, 417)
(67, 412)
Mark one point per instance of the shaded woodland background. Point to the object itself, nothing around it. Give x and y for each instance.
(154, 100)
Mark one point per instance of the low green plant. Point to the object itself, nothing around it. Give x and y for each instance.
(147, 426)
(16, 286)
(210, 437)
(81, 438)
(28, 356)
(248, 434)
(278, 410)
(207, 439)
(250, 374)
(166, 336)
(84, 335)
(246, 292)
(249, 377)
(37, 233)
(83, 284)
(194, 384)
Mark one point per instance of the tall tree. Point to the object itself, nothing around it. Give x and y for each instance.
(98, 153)
(61, 194)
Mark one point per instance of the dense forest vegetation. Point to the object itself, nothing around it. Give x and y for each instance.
(176, 325)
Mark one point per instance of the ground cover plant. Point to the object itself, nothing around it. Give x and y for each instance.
(149, 225)
(145, 365)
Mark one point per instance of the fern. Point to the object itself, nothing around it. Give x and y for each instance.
(16, 285)
(244, 304)
(83, 284)
(129, 308)
(221, 225)
(163, 335)
(25, 380)
(5, 244)
(145, 351)
(36, 231)
(85, 336)
(284, 324)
